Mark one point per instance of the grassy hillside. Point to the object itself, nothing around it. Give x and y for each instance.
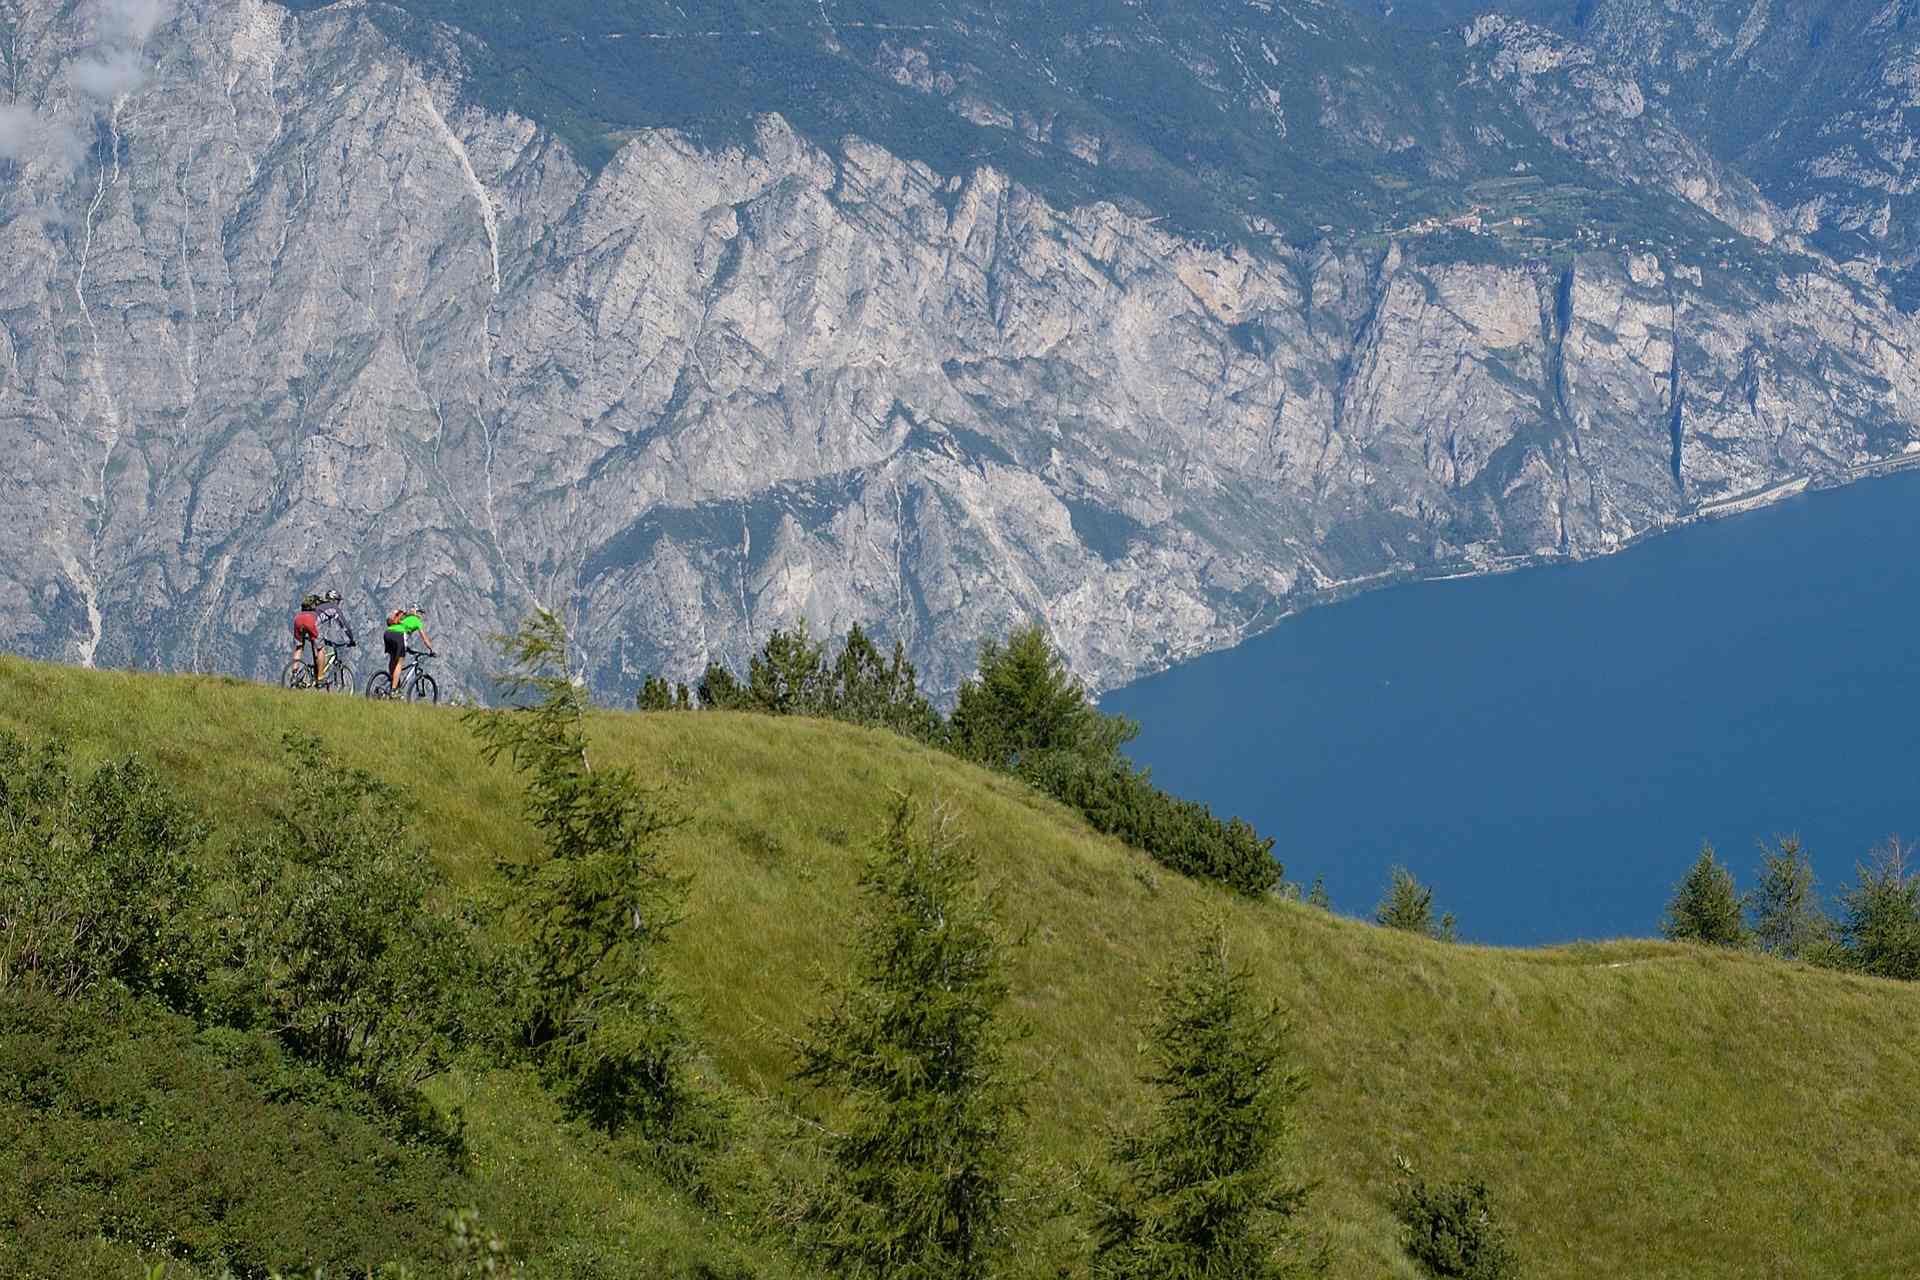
(1639, 1108)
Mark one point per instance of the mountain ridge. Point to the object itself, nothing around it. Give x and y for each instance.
(295, 306)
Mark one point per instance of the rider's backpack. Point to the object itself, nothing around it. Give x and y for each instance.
(308, 603)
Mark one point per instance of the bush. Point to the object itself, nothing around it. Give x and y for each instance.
(1705, 907)
(912, 1050)
(122, 1129)
(1202, 1192)
(1024, 714)
(1452, 1230)
(95, 877)
(1120, 801)
(336, 930)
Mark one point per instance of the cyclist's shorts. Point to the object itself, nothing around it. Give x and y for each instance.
(396, 642)
(306, 627)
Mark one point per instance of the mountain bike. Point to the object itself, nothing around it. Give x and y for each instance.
(415, 684)
(339, 677)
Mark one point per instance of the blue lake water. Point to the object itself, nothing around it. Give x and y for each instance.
(1547, 749)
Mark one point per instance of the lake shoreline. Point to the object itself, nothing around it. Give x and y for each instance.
(1495, 566)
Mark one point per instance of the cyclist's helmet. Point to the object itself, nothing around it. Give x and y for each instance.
(331, 597)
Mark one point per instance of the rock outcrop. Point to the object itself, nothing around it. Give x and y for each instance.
(283, 308)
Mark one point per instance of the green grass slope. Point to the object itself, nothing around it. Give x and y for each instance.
(1640, 1109)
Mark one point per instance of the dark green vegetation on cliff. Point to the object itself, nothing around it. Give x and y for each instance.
(1637, 1108)
(1228, 119)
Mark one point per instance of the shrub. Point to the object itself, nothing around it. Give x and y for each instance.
(1118, 800)
(95, 877)
(1202, 1192)
(655, 695)
(1880, 916)
(913, 1050)
(1451, 1230)
(120, 1126)
(336, 930)
(1705, 907)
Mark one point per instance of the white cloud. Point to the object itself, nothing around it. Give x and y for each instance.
(18, 125)
(31, 138)
(108, 74)
(115, 67)
(134, 20)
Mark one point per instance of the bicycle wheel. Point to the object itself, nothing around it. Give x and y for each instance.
(424, 689)
(339, 677)
(378, 686)
(298, 675)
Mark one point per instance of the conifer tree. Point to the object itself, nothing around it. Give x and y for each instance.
(1317, 897)
(1203, 1194)
(1784, 907)
(1024, 702)
(1705, 907)
(1453, 1230)
(1880, 916)
(868, 689)
(1408, 906)
(913, 1050)
(654, 695)
(595, 903)
(789, 676)
(719, 690)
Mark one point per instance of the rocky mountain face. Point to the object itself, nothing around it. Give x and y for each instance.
(288, 303)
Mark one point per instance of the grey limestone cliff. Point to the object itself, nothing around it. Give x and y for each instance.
(283, 307)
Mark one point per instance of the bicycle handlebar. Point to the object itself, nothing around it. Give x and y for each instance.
(422, 653)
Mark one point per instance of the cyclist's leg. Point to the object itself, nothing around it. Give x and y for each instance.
(396, 644)
(321, 656)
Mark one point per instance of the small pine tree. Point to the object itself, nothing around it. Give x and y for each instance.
(1024, 702)
(682, 697)
(1784, 907)
(913, 1049)
(654, 695)
(1408, 906)
(596, 903)
(719, 690)
(1705, 907)
(789, 676)
(868, 689)
(1452, 1231)
(1202, 1192)
(1318, 896)
(1880, 916)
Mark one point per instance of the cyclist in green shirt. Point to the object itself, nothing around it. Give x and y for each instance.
(402, 623)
